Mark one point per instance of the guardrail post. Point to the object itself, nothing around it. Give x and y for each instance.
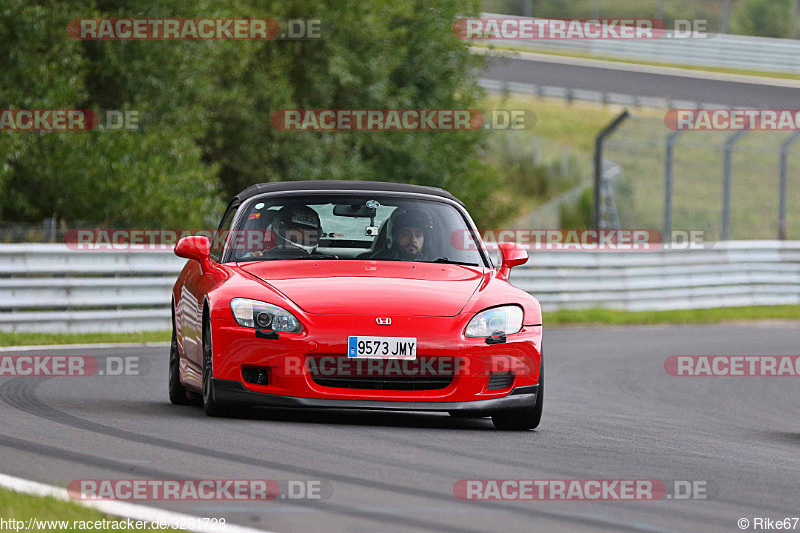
(527, 8)
(783, 184)
(726, 184)
(668, 181)
(598, 163)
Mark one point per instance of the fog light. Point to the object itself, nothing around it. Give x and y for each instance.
(256, 375)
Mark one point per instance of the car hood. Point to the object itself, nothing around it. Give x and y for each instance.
(381, 288)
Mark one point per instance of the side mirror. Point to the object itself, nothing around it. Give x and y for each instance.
(511, 255)
(195, 247)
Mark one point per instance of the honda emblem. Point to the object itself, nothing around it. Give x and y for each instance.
(383, 321)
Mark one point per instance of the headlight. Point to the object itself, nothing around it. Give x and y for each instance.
(255, 314)
(503, 320)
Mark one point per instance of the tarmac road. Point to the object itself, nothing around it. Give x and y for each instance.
(611, 412)
(640, 80)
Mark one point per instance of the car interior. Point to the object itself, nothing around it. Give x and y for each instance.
(347, 231)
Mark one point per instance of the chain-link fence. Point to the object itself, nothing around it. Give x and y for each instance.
(699, 198)
(49, 230)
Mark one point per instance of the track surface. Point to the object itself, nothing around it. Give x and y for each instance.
(611, 411)
(610, 80)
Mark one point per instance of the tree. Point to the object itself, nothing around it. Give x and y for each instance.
(765, 18)
(205, 108)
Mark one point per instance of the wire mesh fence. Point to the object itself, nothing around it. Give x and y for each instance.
(49, 230)
(698, 193)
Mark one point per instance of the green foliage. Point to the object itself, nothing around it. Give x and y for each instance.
(205, 108)
(767, 18)
(578, 215)
(383, 54)
(154, 176)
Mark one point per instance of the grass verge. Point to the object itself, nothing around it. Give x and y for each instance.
(718, 315)
(14, 505)
(33, 338)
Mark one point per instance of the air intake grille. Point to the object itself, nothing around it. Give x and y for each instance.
(385, 382)
(339, 371)
(500, 380)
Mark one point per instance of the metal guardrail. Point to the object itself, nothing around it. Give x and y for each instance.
(49, 288)
(734, 273)
(718, 50)
(598, 97)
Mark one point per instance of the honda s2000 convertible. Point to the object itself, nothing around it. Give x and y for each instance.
(361, 295)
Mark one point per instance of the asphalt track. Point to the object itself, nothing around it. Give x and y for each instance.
(644, 81)
(611, 412)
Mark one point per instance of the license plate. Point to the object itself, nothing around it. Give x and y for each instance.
(382, 347)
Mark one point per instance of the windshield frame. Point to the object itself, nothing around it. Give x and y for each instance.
(245, 206)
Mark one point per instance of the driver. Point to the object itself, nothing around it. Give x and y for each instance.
(297, 230)
(412, 235)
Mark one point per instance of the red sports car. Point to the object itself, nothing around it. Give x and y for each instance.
(363, 295)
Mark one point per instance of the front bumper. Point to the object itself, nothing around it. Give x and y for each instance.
(229, 392)
(291, 384)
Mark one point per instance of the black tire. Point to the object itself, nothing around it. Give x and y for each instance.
(520, 419)
(177, 393)
(210, 405)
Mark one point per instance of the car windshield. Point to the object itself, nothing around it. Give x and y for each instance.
(352, 227)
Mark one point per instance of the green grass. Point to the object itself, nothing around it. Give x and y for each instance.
(681, 316)
(721, 70)
(574, 124)
(24, 506)
(25, 338)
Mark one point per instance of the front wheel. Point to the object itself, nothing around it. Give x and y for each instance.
(210, 405)
(524, 418)
(177, 393)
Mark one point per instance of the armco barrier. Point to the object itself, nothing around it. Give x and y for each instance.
(49, 288)
(721, 50)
